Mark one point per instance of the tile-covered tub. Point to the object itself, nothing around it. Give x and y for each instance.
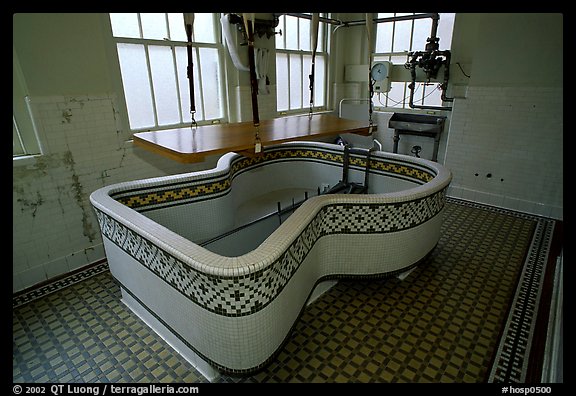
(228, 306)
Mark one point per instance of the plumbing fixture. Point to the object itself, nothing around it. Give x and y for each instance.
(418, 125)
(416, 151)
(345, 187)
(430, 60)
(261, 26)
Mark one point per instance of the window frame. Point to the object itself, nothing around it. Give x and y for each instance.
(172, 45)
(321, 51)
(25, 139)
(421, 91)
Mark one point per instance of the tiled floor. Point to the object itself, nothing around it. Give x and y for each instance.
(446, 322)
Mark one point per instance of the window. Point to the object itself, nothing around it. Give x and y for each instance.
(152, 52)
(24, 137)
(394, 40)
(293, 66)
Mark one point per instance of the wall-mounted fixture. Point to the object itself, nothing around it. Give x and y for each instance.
(261, 26)
(430, 61)
(418, 125)
(380, 75)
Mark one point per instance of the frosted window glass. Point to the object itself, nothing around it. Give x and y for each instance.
(164, 81)
(432, 95)
(306, 70)
(402, 32)
(396, 95)
(398, 59)
(154, 26)
(320, 76)
(422, 29)
(280, 38)
(125, 25)
(445, 30)
(291, 32)
(204, 28)
(321, 45)
(211, 82)
(295, 82)
(282, 82)
(177, 30)
(384, 34)
(305, 35)
(136, 85)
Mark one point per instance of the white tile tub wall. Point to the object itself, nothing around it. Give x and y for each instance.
(516, 135)
(55, 230)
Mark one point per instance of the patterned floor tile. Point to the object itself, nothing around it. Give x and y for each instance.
(446, 322)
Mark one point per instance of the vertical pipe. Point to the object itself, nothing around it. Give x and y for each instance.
(367, 169)
(371, 48)
(345, 161)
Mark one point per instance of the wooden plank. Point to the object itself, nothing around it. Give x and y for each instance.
(193, 144)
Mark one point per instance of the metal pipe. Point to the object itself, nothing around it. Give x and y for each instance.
(394, 19)
(339, 23)
(345, 99)
(411, 86)
(443, 87)
(280, 212)
(446, 76)
(434, 29)
(345, 163)
(307, 16)
(431, 66)
(407, 17)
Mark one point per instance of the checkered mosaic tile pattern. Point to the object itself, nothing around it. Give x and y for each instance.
(245, 295)
(163, 196)
(440, 324)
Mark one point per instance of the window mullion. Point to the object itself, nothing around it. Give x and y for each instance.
(151, 83)
(301, 76)
(298, 45)
(288, 55)
(138, 38)
(200, 88)
(393, 35)
(412, 34)
(167, 22)
(140, 25)
(178, 94)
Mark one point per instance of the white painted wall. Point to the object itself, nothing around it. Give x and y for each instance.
(509, 124)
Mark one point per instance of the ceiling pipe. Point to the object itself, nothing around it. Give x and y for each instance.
(340, 23)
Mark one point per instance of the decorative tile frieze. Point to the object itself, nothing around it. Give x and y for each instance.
(212, 186)
(254, 291)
